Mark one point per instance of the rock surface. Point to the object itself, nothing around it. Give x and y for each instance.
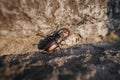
(21, 23)
(113, 11)
(100, 61)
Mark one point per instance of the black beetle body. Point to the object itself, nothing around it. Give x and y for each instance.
(51, 42)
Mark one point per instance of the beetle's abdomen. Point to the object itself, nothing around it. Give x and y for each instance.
(51, 46)
(44, 42)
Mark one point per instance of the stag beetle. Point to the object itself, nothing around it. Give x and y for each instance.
(52, 41)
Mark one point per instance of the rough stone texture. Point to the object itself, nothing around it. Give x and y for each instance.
(113, 11)
(100, 61)
(21, 23)
(22, 20)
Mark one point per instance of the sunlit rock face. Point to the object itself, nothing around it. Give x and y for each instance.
(23, 22)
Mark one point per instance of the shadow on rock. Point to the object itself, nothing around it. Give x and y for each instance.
(99, 61)
(110, 71)
(35, 73)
